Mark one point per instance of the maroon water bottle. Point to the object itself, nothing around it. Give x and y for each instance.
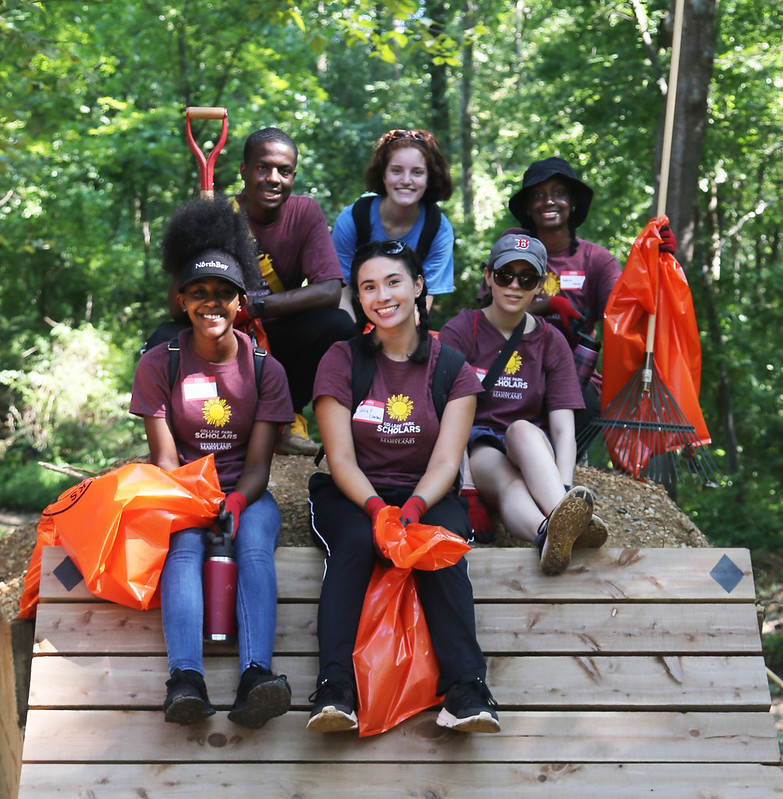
(220, 581)
(586, 357)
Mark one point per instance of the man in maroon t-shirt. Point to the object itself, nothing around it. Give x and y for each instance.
(301, 279)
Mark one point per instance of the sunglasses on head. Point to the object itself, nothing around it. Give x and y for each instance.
(415, 135)
(505, 276)
(390, 247)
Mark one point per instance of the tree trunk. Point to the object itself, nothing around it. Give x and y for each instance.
(439, 105)
(466, 120)
(693, 83)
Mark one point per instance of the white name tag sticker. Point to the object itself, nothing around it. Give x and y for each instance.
(571, 280)
(480, 373)
(370, 411)
(199, 388)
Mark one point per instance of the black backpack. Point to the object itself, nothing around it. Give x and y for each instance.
(361, 220)
(447, 366)
(258, 363)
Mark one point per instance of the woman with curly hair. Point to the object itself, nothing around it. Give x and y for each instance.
(409, 175)
(212, 405)
(195, 227)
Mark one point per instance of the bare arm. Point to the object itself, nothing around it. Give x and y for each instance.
(446, 456)
(334, 422)
(255, 473)
(313, 295)
(160, 440)
(561, 430)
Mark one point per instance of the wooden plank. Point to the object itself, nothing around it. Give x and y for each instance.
(604, 682)
(503, 628)
(94, 736)
(389, 781)
(513, 574)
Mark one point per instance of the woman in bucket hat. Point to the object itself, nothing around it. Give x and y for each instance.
(550, 205)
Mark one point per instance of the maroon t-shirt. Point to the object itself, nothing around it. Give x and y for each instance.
(539, 377)
(211, 406)
(585, 279)
(298, 243)
(395, 427)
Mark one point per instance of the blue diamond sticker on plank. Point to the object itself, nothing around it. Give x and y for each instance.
(726, 574)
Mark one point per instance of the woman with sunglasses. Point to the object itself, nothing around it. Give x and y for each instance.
(392, 450)
(211, 406)
(522, 447)
(408, 174)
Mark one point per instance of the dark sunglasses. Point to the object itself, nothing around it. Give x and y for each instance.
(505, 276)
(390, 247)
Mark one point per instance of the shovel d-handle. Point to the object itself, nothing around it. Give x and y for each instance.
(206, 164)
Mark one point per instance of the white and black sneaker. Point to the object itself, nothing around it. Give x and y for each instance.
(469, 707)
(334, 707)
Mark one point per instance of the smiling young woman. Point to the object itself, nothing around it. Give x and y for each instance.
(182, 425)
(392, 449)
(408, 174)
(522, 447)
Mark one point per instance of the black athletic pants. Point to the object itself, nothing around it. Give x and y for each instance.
(343, 530)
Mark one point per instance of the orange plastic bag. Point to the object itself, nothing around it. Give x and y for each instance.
(653, 282)
(395, 665)
(116, 528)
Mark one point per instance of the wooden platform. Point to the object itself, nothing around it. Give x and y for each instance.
(637, 672)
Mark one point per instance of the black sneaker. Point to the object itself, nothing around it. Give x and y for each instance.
(469, 707)
(334, 707)
(563, 527)
(186, 699)
(261, 696)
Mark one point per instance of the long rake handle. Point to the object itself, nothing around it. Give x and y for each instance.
(663, 185)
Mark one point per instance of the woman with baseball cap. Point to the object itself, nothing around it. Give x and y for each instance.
(212, 405)
(522, 448)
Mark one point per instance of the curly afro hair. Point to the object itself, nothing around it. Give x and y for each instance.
(203, 224)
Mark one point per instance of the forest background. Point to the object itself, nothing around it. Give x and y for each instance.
(93, 160)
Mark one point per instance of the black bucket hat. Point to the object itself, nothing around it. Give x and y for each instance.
(538, 172)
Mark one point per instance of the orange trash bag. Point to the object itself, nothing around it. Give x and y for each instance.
(116, 527)
(652, 282)
(395, 665)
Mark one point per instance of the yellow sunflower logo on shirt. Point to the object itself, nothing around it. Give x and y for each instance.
(399, 407)
(514, 364)
(217, 412)
(551, 285)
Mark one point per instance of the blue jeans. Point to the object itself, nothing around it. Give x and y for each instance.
(182, 597)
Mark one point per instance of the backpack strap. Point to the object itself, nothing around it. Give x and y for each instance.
(259, 356)
(361, 220)
(499, 363)
(432, 216)
(447, 368)
(173, 360)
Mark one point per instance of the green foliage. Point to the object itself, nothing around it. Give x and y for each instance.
(94, 160)
(66, 401)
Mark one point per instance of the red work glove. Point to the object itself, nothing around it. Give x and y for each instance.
(235, 503)
(668, 242)
(372, 507)
(483, 529)
(570, 318)
(413, 509)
